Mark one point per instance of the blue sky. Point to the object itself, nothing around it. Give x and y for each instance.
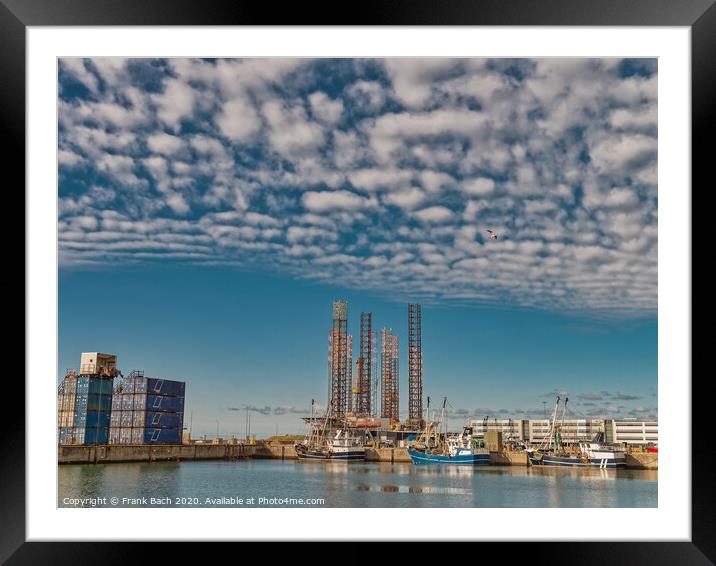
(213, 210)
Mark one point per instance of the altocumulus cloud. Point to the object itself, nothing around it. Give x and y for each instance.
(384, 177)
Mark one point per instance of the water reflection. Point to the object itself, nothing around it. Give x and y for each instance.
(413, 489)
(369, 484)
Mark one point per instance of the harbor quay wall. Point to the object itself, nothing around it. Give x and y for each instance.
(68, 454)
(508, 458)
(643, 460)
(150, 453)
(274, 450)
(387, 455)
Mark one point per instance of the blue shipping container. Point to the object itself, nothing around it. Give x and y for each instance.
(95, 418)
(99, 402)
(165, 387)
(93, 403)
(162, 436)
(165, 404)
(96, 435)
(101, 385)
(164, 420)
(98, 385)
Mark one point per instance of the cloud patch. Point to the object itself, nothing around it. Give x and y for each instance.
(402, 163)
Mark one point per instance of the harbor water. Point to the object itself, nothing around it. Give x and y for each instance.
(276, 483)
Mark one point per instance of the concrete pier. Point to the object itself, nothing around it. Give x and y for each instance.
(147, 453)
(507, 458)
(643, 460)
(387, 455)
(271, 450)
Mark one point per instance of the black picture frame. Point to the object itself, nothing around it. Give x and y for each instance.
(698, 15)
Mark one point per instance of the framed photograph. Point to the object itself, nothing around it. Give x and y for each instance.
(421, 276)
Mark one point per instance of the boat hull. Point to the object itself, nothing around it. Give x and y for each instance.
(332, 456)
(479, 459)
(551, 461)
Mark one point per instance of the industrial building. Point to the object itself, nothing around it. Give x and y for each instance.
(517, 429)
(84, 400)
(536, 431)
(572, 430)
(631, 431)
(147, 410)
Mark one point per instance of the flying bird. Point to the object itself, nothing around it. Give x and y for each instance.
(493, 235)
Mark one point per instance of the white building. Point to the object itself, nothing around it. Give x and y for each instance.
(631, 431)
(571, 430)
(510, 428)
(536, 431)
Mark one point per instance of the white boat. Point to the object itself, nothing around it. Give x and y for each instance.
(342, 446)
(330, 441)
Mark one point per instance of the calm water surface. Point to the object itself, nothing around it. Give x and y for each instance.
(203, 484)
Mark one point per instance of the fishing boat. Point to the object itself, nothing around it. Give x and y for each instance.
(434, 447)
(595, 453)
(330, 440)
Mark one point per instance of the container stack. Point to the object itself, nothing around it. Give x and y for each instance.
(84, 400)
(147, 410)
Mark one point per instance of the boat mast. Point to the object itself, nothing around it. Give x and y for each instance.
(325, 423)
(443, 415)
(310, 425)
(551, 426)
(561, 424)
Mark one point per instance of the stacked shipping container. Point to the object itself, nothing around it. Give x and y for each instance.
(84, 405)
(146, 410)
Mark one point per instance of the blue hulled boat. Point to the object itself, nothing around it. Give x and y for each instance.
(433, 447)
(462, 457)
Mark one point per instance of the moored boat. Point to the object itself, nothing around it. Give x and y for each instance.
(592, 454)
(341, 447)
(433, 447)
(329, 441)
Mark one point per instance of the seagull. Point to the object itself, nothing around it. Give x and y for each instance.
(493, 235)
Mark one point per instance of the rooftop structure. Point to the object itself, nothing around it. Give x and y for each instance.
(97, 363)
